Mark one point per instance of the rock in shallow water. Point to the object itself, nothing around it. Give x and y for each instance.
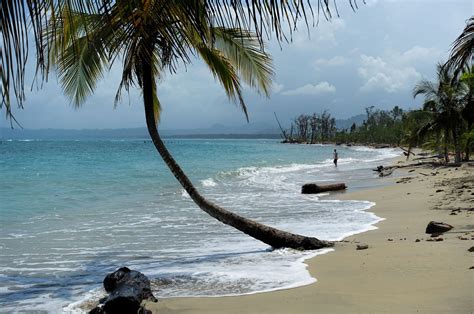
(127, 289)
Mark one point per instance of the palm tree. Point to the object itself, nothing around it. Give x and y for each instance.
(150, 42)
(463, 48)
(443, 104)
(23, 20)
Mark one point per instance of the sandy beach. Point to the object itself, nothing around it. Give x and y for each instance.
(403, 270)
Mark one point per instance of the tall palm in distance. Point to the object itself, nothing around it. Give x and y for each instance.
(442, 103)
(149, 43)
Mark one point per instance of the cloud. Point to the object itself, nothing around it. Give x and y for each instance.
(395, 71)
(276, 88)
(418, 54)
(334, 61)
(324, 35)
(309, 89)
(379, 74)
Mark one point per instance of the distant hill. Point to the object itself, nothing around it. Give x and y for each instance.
(347, 123)
(250, 130)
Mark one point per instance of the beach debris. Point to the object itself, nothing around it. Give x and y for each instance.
(362, 247)
(437, 227)
(440, 190)
(389, 239)
(384, 171)
(417, 240)
(439, 239)
(313, 188)
(471, 249)
(472, 267)
(127, 289)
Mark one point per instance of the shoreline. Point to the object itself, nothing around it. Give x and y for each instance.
(395, 274)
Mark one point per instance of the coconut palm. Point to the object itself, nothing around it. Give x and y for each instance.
(149, 43)
(22, 24)
(442, 102)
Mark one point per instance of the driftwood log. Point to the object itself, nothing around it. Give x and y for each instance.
(127, 289)
(313, 188)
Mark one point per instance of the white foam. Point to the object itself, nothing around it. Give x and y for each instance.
(209, 182)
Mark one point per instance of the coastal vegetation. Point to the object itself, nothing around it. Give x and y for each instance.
(379, 126)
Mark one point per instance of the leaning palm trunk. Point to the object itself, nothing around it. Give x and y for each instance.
(271, 236)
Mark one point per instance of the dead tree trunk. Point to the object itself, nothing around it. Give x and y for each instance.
(313, 188)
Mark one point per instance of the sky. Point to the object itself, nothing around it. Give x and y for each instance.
(371, 57)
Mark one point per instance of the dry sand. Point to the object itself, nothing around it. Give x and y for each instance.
(395, 274)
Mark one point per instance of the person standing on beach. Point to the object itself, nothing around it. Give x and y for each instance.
(336, 157)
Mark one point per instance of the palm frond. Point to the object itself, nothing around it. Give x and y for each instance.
(223, 70)
(80, 67)
(242, 49)
(425, 87)
(463, 47)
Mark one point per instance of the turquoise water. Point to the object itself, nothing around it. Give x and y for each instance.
(71, 211)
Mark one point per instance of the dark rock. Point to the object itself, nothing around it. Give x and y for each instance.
(127, 289)
(435, 235)
(437, 191)
(389, 239)
(439, 239)
(437, 227)
(471, 249)
(417, 240)
(472, 267)
(362, 246)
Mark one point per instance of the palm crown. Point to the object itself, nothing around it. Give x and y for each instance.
(85, 45)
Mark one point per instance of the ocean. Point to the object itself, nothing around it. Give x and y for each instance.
(73, 211)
